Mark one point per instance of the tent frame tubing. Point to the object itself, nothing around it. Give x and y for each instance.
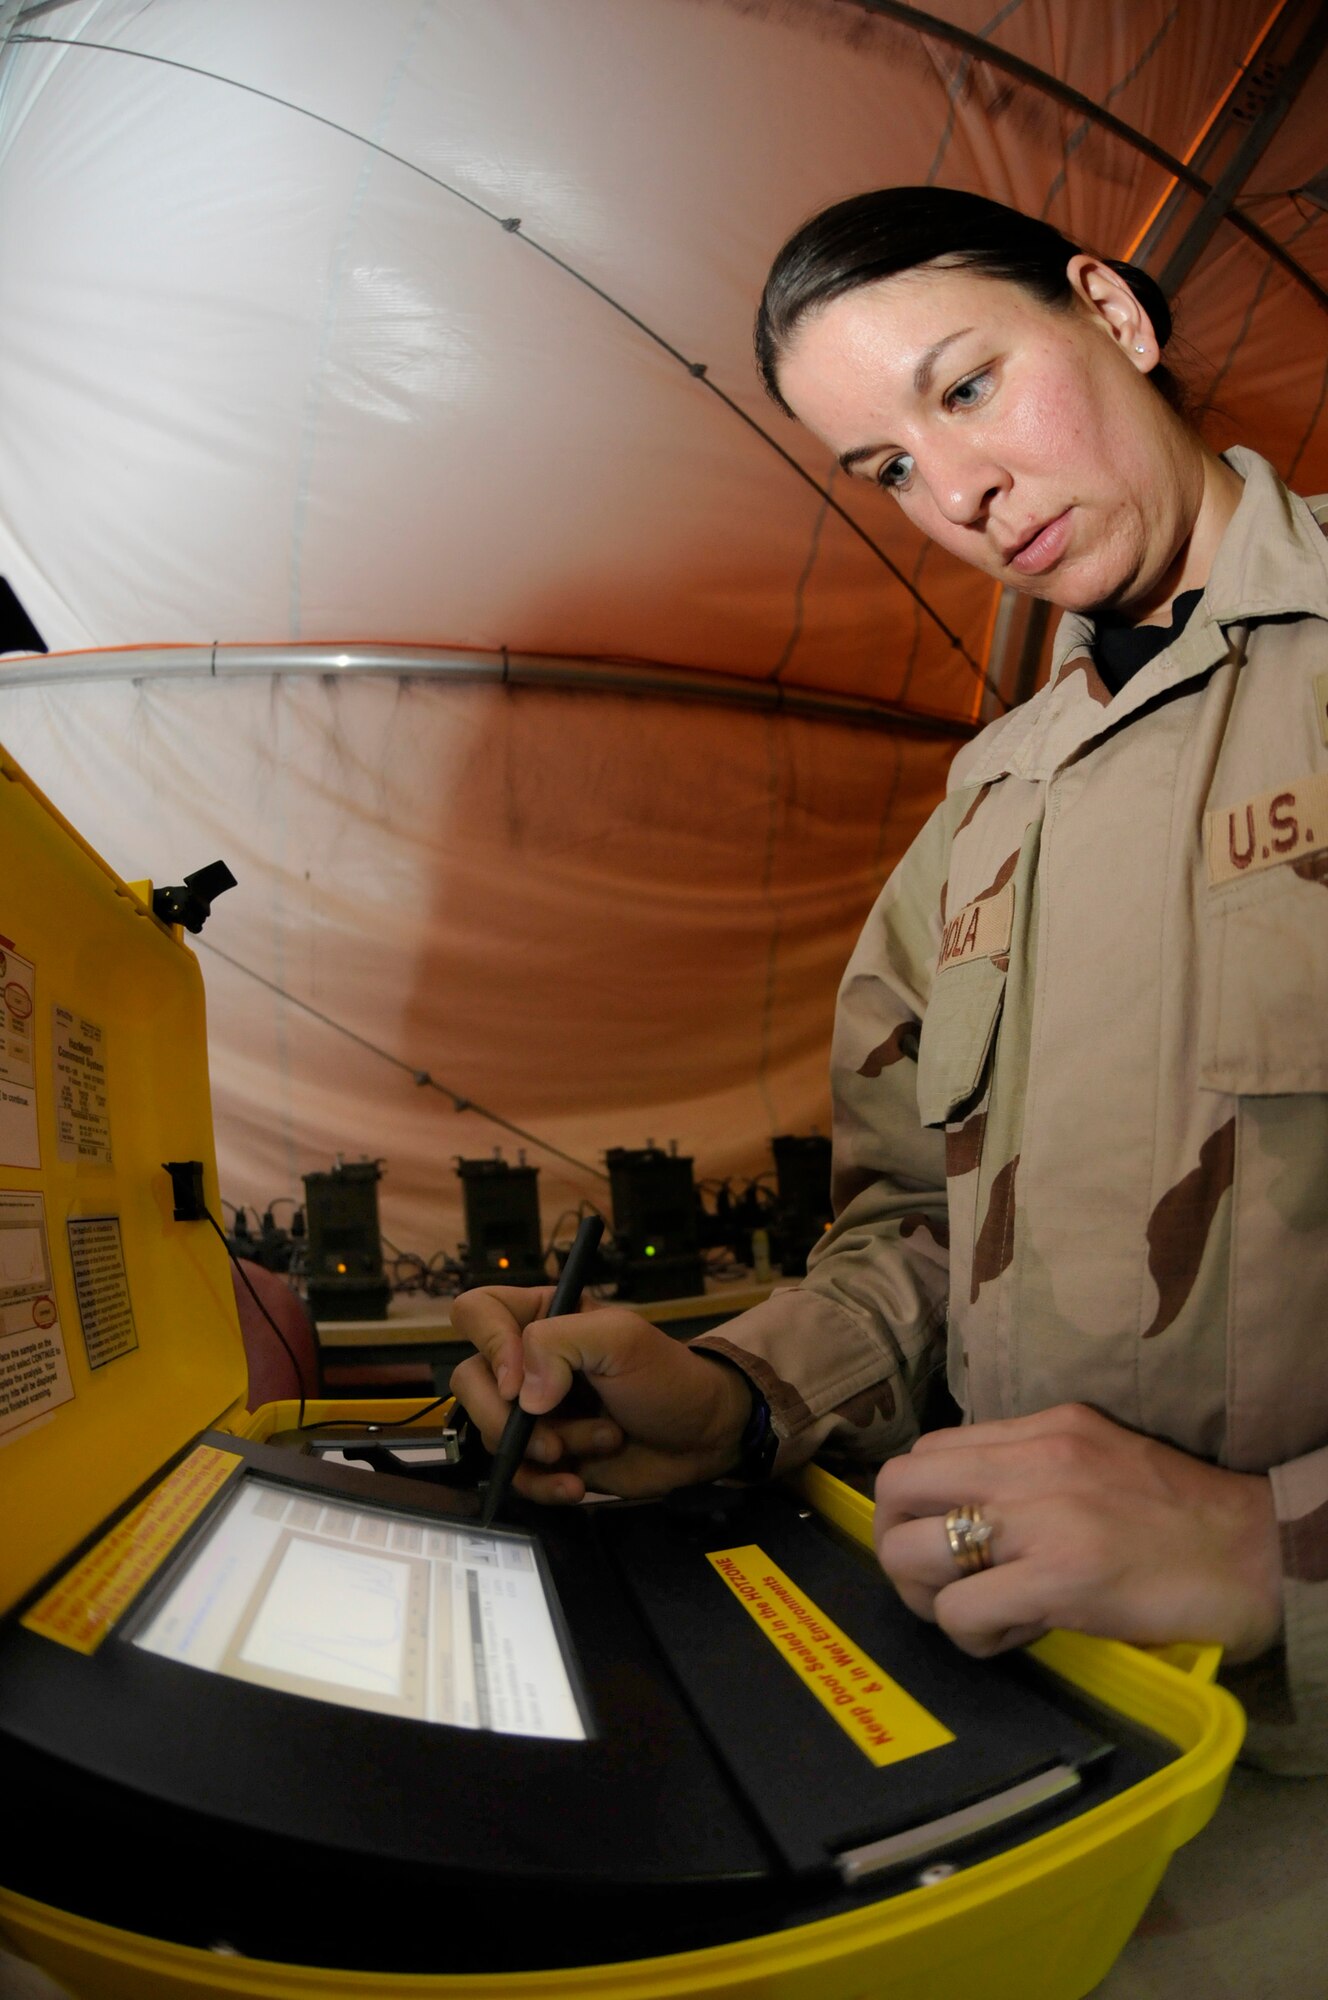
(463, 667)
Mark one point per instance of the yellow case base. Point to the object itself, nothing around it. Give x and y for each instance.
(1045, 1919)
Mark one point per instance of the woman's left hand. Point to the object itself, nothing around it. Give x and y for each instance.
(1092, 1527)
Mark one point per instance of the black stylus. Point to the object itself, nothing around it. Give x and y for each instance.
(516, 1431)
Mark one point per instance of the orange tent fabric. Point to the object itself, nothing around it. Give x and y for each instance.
(428, 326)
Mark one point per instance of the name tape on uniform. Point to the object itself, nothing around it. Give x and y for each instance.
(1264, 832)
(81, 1608)
(885, 1722)
(981, 930)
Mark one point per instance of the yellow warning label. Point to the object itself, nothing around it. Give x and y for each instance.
(883, 1720)
(81, 1608)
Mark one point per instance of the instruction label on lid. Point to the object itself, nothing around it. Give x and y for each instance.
(81, 1608)
(101, 1285)
(82, 1117)
(881, 1717)
(34, 1371)
(19, 1146)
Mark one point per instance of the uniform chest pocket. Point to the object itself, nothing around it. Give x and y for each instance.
(958, 1035)
(1263, 1012)
(1263, 1043)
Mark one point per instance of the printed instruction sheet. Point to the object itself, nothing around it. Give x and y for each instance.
(82, 1114)
(101, 1286)
(19, 1146)
(34, 1374)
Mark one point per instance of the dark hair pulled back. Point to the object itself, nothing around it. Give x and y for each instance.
(878, 235)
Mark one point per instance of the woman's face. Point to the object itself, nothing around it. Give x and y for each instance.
(1023, 438)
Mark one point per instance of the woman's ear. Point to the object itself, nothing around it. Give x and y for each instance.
(1115, 309)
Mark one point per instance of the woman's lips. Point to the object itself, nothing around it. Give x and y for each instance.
(1046, 547)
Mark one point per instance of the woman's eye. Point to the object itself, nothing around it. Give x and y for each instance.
(967, 395)
(896, 472)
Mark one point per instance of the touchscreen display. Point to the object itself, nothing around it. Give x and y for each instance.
(372, 1608)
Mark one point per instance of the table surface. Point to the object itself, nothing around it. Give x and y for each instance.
(414, 1318)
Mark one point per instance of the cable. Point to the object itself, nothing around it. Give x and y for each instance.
(332, 1423)
(409, 1273)
(299, 1372)
(552, 1244)
(511, 224)
(359, 1424)
(928, 25)
(418, 1076)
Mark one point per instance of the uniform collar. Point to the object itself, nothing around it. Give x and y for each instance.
(1272, 561)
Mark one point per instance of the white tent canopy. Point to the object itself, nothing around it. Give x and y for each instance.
(384, 466)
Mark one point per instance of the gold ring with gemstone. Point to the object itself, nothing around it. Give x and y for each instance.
(969, 1536)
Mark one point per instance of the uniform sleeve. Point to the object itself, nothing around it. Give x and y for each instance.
(845, 1359)
(1285, 1695)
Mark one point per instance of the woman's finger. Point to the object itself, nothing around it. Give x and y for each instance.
(584, 1437)
(1062, 1460)
(492, 1318)
(996, 1609)
(919, 1597)
(563, 1488)
(477, 1392)
(918, 1552)
(909, 1489)
(550, 1442)
(1062, 1419)
(664, 1396)
(984, 1620)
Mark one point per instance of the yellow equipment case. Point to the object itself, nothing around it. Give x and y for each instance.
(276, 1724)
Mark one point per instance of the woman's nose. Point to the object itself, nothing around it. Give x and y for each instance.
(964, 488)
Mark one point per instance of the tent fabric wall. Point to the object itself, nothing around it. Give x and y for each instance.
(273, 370)
(646, 948)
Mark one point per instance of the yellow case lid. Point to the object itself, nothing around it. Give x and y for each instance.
(103, 1076)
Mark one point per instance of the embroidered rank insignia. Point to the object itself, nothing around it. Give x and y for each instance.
(1264, 832)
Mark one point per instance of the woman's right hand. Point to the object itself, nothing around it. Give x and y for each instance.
(647, 1413)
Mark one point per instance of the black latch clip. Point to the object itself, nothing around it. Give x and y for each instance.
(190, 903)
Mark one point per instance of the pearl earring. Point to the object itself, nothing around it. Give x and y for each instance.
(1139, 347)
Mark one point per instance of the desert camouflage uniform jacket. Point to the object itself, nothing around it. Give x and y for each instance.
(1080, 1073)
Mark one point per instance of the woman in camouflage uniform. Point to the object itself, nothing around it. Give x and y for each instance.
(1080, 1063)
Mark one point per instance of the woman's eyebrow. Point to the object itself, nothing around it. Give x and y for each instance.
(922, 374)
(848, 459)
(922, 377)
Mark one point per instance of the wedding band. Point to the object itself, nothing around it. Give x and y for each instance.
(969, 1537)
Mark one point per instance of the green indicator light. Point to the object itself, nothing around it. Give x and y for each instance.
(650, 1249)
